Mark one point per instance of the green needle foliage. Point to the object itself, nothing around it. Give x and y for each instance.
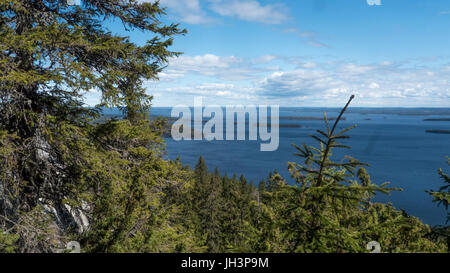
(68, 174)
(330, 208)
(53, 158)
(442, 197)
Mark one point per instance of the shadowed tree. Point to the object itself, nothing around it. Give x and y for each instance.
(442, 197)
(51, 53)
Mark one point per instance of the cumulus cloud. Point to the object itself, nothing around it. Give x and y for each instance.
(202, 11)
(230, 91)
(170, 75)
(224, 68)
(384, 82)
(294, 83)
(188, 11)
(251, 10)
(265, 59)
(352, 68)
(308, 65)
(303, 81)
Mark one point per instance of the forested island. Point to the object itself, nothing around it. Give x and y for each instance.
(438, 131)
(69, 174)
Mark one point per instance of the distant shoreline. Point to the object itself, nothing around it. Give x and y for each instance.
(438, 131)
(419, 111)
(437, 119)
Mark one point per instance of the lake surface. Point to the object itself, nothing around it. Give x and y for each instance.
(393, 141)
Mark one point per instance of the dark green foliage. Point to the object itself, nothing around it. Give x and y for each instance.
(329, 210)
(67, 174)
(442, 197)
(7, 242)
(52, 156)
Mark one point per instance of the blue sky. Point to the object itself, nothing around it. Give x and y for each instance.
(306, 53)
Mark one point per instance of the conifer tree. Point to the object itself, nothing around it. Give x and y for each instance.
(215, 241)
(329, 211)
(52, 156)
(261, 190)
(442, 197)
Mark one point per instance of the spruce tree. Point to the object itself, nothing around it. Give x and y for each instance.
(214, 217)
(330, 208)
(442, 196)
(52, 156)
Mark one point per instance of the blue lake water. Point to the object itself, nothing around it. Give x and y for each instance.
(393, 141)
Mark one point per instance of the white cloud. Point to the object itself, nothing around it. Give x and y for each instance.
(408, 85)
(170, 75)
(230, 91)
(251, 10)
(265, 59)
(293, 83)
(305, 82)
(352, 68)
(199, 11)
(187, 11)
(308, 37)
(309, 65)
(224, 68)
(374, 85)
